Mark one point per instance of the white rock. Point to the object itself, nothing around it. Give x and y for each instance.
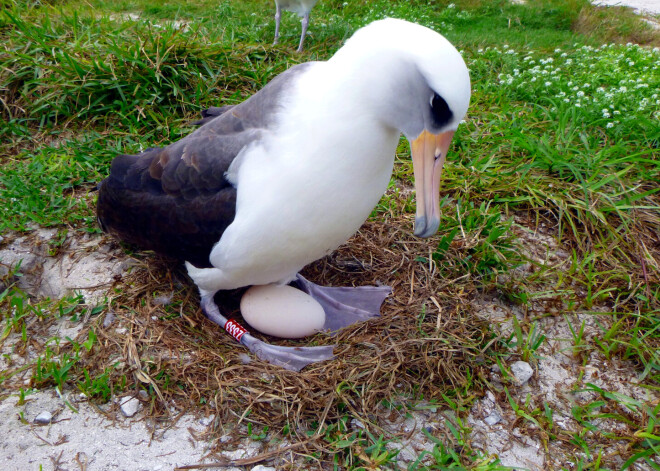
(129, 406)
(261, 467)
(43, 418)
(355, 423)
(522, 372)
(493, 418)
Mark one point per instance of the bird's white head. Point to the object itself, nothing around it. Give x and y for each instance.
(425, 97)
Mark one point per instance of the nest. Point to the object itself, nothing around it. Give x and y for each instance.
(426, 342)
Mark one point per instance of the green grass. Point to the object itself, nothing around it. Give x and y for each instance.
(562, 133)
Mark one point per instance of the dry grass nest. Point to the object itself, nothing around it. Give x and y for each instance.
(426, 343)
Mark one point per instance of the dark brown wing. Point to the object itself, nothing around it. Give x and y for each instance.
(176, 200)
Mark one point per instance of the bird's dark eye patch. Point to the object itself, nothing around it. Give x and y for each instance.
(440, 111)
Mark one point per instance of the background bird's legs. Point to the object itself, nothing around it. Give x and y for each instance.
(278, 15)
(291, 358)
(305, 23)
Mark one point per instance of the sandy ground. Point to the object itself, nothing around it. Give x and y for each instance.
(643, 6)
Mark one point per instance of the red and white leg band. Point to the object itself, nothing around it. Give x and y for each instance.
(235, 329)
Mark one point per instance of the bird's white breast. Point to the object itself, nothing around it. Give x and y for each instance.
(307, 188)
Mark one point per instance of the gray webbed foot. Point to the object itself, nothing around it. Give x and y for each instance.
(290, 358)
(345, 306)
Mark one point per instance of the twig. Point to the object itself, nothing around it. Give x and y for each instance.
(246, 461)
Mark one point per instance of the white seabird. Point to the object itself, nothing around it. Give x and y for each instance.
(268, 186)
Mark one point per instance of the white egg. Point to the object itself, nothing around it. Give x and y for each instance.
(282, 311)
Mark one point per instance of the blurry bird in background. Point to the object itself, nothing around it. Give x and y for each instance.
(302, 8)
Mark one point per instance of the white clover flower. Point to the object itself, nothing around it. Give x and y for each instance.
(547, 84)
(609, 125)
(578, 105)
(566, 100)
(563, 54)
(616, 112)
(480, 50)
(606, 113)
(570, 84)
(569, 61)
(533, 79)
(557, 50)
(580, 93)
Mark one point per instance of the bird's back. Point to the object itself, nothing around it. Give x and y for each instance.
(177, 200)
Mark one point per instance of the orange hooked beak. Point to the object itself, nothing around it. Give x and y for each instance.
(428, 155)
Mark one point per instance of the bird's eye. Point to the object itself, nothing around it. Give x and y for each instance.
(440, 111)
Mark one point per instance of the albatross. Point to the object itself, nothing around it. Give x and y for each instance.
(265, 187)
(302, 8)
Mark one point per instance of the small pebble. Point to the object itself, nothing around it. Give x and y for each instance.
(522, 372)
(130, 406)
(43, 418)
(355, 423)
(493, 418)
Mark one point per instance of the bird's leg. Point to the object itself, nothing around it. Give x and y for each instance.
(305, 23)
(278, 15)
(345, 306)
(290, 358)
